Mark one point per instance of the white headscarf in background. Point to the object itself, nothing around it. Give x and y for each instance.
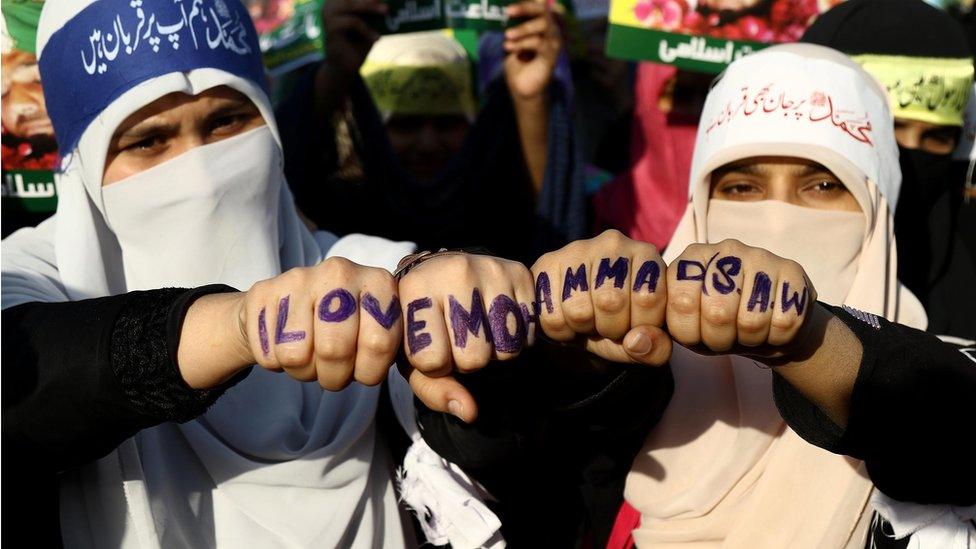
(722, 469)
(420, 73)
(275, 462)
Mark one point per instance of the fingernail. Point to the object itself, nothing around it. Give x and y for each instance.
(640, 344)
(455, 408)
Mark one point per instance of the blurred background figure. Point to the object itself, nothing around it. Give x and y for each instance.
(24, 114)
(646, 201)
(29, 150)
(924, 59)
(391, 128)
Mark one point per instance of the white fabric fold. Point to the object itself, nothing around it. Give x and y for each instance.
(930, 526)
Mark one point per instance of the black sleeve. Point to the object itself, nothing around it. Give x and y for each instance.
(81, 377)
(552, 444)
(912, 413)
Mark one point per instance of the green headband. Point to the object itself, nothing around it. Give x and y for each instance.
(441, 89)
(21, 18)
(933, 90)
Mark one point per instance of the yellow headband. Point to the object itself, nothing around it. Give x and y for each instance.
(436, 89)
(933, 90)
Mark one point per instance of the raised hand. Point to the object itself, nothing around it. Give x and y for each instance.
(532, 48)
(608, 293)
(348, 38)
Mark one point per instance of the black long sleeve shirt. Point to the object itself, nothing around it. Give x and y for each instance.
(79, 378)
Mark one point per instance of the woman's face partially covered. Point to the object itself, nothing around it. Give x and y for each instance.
(174, 124)
(792, 180)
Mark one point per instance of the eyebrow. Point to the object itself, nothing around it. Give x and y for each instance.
(758, 168)
(147, 128)
(230, 106)
(150, 127)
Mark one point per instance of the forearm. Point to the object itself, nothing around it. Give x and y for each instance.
(532, 116)
(331, 88)
(825, 365)
(213, 345)
(80, 377)
(909, 411)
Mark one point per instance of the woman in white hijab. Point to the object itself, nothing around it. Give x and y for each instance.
(796, 156)
(173, 177)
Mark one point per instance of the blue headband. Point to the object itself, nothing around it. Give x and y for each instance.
(113, 45)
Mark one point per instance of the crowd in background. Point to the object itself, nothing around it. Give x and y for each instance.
(517, 143)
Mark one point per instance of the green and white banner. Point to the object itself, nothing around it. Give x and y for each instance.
(705, 35)
(421, 15)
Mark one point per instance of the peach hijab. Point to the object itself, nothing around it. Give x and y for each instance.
(722, 469)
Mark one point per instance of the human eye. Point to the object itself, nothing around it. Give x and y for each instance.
(941, 141)
(233, 120)
(148, 145)
(827, 186)
(228, 123)
(740, 189)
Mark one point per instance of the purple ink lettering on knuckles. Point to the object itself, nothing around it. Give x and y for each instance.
(543, 293)
(463, 321)
(648, 274)
(729, 266)
(263, 332)
(685, 264)
(417, 340)
(575, 281)
(281, 336)
(762, 285)
(683, 274)
(618, 271)
(345, 305)
(529, 317)
(385, 319)
(797, 301)
(501, 308)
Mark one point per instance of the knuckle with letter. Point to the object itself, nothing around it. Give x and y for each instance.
(718, 314)
(610, 301)
(331, 348)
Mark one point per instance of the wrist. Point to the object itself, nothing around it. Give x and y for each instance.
(805, 345)
(533, 100)
(213, 340)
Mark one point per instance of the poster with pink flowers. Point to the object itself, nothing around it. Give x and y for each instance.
(705, 35)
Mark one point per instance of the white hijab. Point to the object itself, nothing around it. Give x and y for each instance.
(722, 469)
(274, 462)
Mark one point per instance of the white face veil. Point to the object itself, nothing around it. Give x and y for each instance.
(275, 462)
(722, 461)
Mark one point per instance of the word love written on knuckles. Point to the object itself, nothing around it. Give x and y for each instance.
(723, 281)
(336, 306)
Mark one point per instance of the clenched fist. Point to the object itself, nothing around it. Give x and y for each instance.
(617, 297)
(610, 293)
(731, 298)
(461, 312)
(333, 323)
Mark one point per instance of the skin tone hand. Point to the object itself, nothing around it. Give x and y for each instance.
(334, 323)
(729, 298)
(532, 49)
(348, 39)
(608, 294)
(461, 312)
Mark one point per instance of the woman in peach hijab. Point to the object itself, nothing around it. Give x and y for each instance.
(795, 155)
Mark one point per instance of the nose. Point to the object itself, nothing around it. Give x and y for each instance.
(427, 138)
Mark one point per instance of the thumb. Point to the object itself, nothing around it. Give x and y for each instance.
(647, 345)
(444, 394)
